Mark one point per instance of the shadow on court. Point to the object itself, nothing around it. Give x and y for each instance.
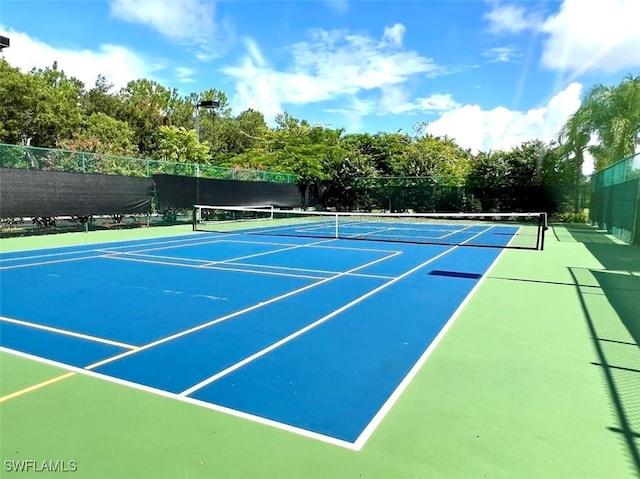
(620, 278)
(616, 338)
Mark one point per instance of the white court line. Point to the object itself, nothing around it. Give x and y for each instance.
(158, 259)
(386, 407)
(264, 253)
(380, 230)
(96, 249)
(41, 263)
(326, 226)
(132, 259)
(285, 227)
(219, 239)
(109, 251)
(345, 248)
(401, 231)
(321, 271)
(269, 243)
(456, 231)
(187, 400)
(309, 327)
(240, 312)
(50, 255)
(103, 254)
(65, 332)
(213, 264)
(145, 250)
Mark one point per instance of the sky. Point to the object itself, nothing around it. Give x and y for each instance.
(488, 73)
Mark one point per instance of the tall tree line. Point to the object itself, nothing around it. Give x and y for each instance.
(47, 108)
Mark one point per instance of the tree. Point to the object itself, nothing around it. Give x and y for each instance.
(252, 128)
(387, 149)
(616, 118)
(574, 140)
(18, 96)
(509, 180)
(240, 134)
(144, 106)
(177, 144)
(441, 159)
(38, 108)
(100, 99)
(103, 134)
(59, 111)
(348, 180)
(609, 115)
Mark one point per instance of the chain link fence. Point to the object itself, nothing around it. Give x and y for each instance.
(615, 199)
(18, 156)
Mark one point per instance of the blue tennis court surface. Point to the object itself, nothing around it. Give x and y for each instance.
(315, 336)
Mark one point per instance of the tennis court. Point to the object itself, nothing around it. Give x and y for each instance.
(313, 336)
(289, 330)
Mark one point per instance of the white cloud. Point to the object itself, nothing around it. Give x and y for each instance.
(185, 21)
(593, 35)
(177, 19)
(254, 52)
(437, 102)
(185, 74)
(354, 111)
(339, 6)
(118, 64)
(500, 128)
(583, 35)
(395, 100)
(502, 54)
(511, 19)
(394, 34)
(331, 64)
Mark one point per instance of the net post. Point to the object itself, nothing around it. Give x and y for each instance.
(336, 232)
(194, 218)
(542, 227)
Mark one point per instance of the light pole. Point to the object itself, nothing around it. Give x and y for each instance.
(203, 104)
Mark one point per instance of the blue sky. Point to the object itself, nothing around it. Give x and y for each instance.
(489, 73)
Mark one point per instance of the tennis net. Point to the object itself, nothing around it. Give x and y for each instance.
(498, 230)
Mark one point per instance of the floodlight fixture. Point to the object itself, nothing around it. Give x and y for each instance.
(4, 43)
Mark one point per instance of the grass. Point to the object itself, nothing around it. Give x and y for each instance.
(537, 378)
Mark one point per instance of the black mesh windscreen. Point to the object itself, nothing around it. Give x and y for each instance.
(183, 192)
(54, 193)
